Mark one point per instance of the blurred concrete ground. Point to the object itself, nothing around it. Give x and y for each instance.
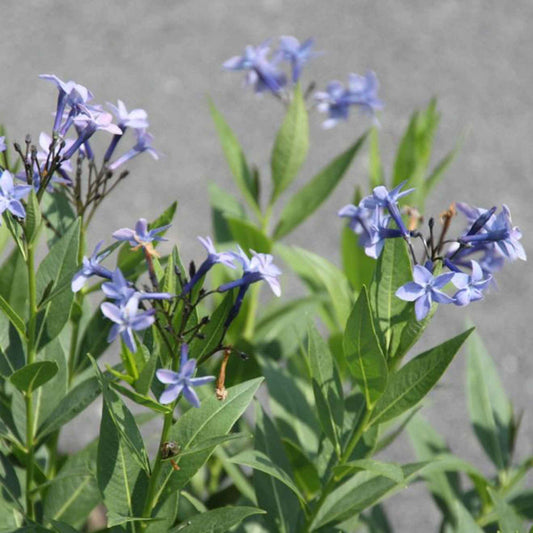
(165, 56)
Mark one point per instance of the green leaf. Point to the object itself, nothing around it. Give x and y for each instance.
(76, 401)
(212, 332)
(248, 236)
(223, 205)
(14, 284)
(509, 521)
(32, 221)
(13, 317)
(327, 386)
(210, 443)
(359, 493)
(121, 480)
(321, 276)
(259, 461)
(414, 380)
(140, 399)
(32, 376)
(444, 486)
(93, 340)
(59, 215)
(440, 169)
(394, 319)
(489, 407)
(357, 266)
(291, 404)
(291, 145)
(363, 353)
(124, 422)
(377, 175)
(414, 152)
(273, 495)
(304, 202)
(390, 470)
(55, 275)
(74, 493)
(217, 520)
(213, 417)
(236, 159)
(48, 397)
(465, 521)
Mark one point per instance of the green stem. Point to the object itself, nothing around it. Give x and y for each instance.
(345, 457)
(31, 356)
(154, 478)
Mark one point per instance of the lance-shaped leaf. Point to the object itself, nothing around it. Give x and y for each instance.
(13, 317)
(212, 331)
(466, 523)
(291, 145)
(305, 202)
(362, 351)
(32, 376)
(357, 266)
(327, 386)
(359, 493)
(74, 493)
(391, 470)
(259, 461)
(394, 319)
(236, 159)
(217, 520)
(509, 521)
(76, 401)
(55, 275)
(412, 382)
(248, 236)
(32, 222)
(490, 410)
(212, 418)
(121, 480)
(273, 495)
(223, 205)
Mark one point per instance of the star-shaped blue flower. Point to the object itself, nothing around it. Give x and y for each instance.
(424, 290)
(11, 194)
(182, 381)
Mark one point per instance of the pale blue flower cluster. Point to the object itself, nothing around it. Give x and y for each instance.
(490, 238)
(263, 73)
(76, 112)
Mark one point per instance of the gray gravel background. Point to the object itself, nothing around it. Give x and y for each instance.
(165, 57)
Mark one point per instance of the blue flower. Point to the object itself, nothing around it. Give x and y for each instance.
(336, 100)
(297, 54)
(2, 144)
(141, 236)
(500, 233)
(122, 290)
(260, 267)
(87, 123)
(11, 194)
(360, 217)
(262, 74)
(91, 267)
(182, 381)
(136, 119)
(385, 199)
(470, 286)
(143, 144)
(424, 290)
(213, 257)
(128, 318)
(373, 239)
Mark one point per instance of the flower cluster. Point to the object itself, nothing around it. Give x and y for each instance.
(263, 73)
(470, 259)
(50, 162)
